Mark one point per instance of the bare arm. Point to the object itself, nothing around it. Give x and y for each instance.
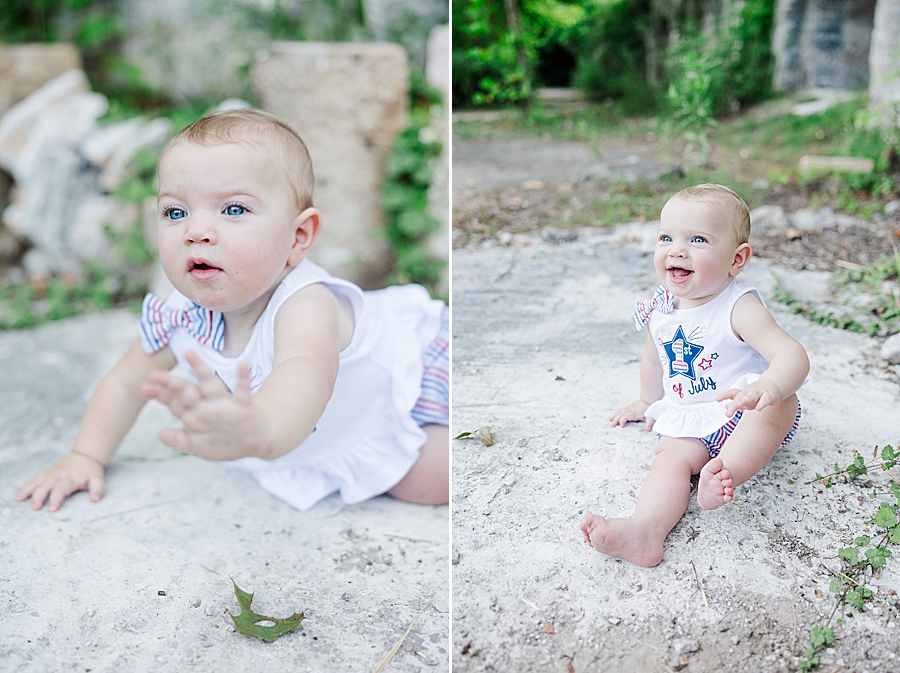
(109, 414)
(788, 361)
(651, 388)
(308, 338)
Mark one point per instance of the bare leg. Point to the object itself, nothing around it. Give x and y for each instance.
(661, 503)
(428, 482)
(755, 440)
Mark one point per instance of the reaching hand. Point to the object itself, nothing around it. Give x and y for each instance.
(218, 425)
(753, 397)
(76, 472)
(633, 412)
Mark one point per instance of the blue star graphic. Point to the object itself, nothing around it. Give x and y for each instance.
(681, 354)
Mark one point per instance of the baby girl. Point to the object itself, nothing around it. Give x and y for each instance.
(718, 376)
(298, 377)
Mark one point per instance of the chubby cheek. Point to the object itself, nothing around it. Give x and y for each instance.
(169, 256)
(659, 264)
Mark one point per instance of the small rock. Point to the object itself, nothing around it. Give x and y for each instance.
(533, 184)
(793, 234)
(768, 220)
(735, 640)
(890, 349)
(455, 560)
(614, 620)
(685, 645)
(196, 603)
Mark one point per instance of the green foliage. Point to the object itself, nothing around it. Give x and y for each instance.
(493, 55)
(880, 281)
(408, 171)
(323, 20)
(866, 555)
(611, 59)
(691, 94)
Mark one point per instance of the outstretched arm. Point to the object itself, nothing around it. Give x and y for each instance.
(651, 388)
(788, 361)
(218, 425)
(109, 414)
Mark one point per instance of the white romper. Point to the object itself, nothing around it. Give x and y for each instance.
(366, 440)
(701, 357)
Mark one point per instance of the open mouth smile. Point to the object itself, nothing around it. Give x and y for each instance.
(678, 274)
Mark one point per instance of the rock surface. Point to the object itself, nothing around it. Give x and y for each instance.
(81, 587)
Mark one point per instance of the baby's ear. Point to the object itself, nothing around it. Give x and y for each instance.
(741, 256)
(306, 227)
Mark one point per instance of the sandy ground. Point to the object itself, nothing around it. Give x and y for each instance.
(544, 351)
(82, 589)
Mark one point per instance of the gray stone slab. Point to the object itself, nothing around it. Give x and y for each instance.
(79, 588)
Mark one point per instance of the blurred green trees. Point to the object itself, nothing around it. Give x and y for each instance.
(632, 51)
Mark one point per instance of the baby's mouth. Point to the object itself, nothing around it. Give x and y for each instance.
(201, 268)
(679, 274)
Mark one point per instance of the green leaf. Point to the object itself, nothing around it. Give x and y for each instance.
(850, 555)
(861, 540)
(885, 518)
(877, 556)
(854, 598)
(895, 534)
(836, 586)
(248, 622)
(821, 636)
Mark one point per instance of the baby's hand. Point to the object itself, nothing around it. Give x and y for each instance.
(633, 412)
(753, 397)
(76, 472)
(218, 425)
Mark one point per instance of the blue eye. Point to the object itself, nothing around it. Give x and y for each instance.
(698, 239)
(234, 210)
(175, 213)
(665, 239)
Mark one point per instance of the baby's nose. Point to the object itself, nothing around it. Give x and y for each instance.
(199, 231)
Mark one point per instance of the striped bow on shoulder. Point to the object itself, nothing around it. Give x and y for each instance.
(663, 301)
(159, 321)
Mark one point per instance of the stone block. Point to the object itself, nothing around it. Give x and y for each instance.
(24, 68)
(884, 58)
(347, 101)
(811, 162)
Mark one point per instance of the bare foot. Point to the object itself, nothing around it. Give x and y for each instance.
(716, 487)
(622, 538)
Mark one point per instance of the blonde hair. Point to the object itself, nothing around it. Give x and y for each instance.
(280, 144)
(735, 210)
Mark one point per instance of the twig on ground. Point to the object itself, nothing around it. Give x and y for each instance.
(702, 593)
(530, 604)
(390, 655)
(133, 509)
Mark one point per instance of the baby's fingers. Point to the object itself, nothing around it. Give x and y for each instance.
(242, 392)
(210, 383)
(60, 491)
(727, 395)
